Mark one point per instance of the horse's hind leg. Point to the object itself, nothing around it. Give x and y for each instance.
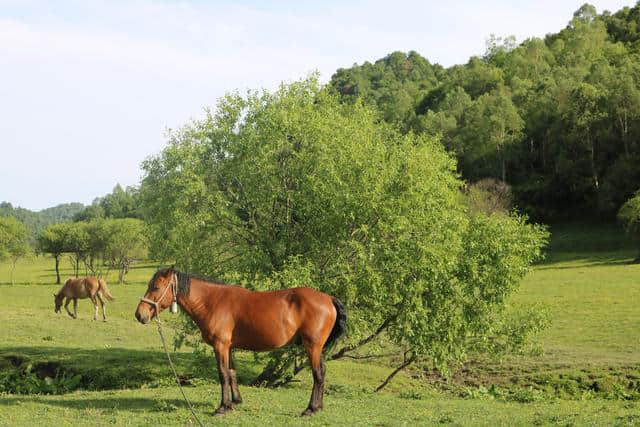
(95, 307)
(103, 305)
(75, 308)
(314, 350)
(235, 391)
(222, 357)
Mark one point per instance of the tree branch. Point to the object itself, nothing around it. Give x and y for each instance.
(398, 369)
(341, 353)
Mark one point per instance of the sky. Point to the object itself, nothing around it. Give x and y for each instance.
(89, 88)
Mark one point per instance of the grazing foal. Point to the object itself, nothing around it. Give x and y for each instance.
(88, 287)
(234, 317)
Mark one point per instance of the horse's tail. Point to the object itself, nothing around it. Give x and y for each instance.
(340, 327)
(103, 288)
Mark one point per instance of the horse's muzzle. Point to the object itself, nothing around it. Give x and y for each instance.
(142, 319)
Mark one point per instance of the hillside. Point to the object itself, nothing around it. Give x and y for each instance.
(38, 220)
(557, 118)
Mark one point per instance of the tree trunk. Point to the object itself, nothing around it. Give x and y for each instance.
(594, 171)
(13, 268)
(57, 257)
(121, 274)
(625, 132)
(532, 156)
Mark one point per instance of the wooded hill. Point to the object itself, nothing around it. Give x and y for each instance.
(557, 118)
(36, 221)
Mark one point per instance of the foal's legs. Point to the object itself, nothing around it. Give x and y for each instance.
(102, 304)
(314, 350)
(75, 308)
(235, 391)
(222, 357)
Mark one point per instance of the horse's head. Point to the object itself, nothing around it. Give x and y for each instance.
(57, 298)
(161, 292)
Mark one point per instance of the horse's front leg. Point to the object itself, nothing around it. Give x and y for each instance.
(222, 357)
(235, 391)
(66, 306)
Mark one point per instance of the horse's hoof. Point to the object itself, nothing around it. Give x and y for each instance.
(223, 409)
(307, 412)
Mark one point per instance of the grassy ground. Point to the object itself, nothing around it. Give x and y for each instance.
(591, 351)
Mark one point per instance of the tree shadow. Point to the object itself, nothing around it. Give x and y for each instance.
(132, 404)
(587, 260)
(117, 368)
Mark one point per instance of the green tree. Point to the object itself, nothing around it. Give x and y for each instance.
(629, 216)
(54, 240)
(77, 244)
(14, 241)
(294, 188)
(584, 114)
(120, 203)
(493, 125)
(125, 244)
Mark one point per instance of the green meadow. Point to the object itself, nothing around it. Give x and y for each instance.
(115, 372)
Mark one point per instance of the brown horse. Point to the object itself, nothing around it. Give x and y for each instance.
(234, 317)
(79, 288)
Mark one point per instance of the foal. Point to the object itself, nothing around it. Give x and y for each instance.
(79, 288)
(234, 317)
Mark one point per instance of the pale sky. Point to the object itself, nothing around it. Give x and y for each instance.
(88, 88)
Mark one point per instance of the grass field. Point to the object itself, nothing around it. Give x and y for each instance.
(587, 375)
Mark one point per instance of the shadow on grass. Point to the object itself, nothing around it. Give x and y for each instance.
(111, 402)
(582, 260)
(117, 368)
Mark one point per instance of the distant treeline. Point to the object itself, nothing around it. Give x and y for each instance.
(38, 221)
(557, 118)
(120, 203)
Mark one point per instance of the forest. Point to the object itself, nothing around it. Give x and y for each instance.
(556, 118)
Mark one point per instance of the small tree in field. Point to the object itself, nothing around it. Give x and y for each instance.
(77, 244)
(53, 240)
(14, 241)
(629, 216)
(295, 189)
(125, 243)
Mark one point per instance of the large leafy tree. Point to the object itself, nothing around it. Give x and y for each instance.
(493, 125)
(293, 188)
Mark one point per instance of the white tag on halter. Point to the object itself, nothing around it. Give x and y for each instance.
(174, 307)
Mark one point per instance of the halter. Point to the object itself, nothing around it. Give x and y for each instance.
(174, 305)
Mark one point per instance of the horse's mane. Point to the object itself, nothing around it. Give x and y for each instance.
(184, 279)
